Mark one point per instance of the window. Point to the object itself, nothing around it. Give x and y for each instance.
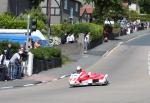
(76, 7)
(65, 4)
(71, 12)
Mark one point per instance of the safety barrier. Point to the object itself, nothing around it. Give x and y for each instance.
(12, 72)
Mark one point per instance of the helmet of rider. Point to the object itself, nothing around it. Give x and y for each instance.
(79, 69)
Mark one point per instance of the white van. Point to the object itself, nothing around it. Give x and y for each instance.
(20, 36)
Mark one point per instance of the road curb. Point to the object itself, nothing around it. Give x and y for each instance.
(19, 86)
(32, 84)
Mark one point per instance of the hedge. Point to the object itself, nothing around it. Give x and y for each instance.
(39, 53)
(46, 58)
(94, 29)
(145, 17)
(46, 53)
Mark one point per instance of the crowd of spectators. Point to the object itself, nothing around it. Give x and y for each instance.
(11, 65)
(126, 27)
(67, 38)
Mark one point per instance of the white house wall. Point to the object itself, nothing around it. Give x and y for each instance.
(55, 19)
(3, 6)
(134, 7)
(44, 6)
(43, 3)
(54, 4)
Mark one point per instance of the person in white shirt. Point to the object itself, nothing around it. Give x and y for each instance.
(3, 58)
(3, 69)
(15, 63)
(70, 38)
(86, 41)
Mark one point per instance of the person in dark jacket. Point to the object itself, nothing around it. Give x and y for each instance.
(63, 38)
(8, 52)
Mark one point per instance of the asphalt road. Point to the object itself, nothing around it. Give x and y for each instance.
(127, 66)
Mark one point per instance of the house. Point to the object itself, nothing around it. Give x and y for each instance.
(62, 10)
(58, 11)
(15, 7)
(134, 7)
(131, 6)
(86, 13)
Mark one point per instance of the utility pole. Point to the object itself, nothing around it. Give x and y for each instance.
(28, 31)
(129, 3)
(49, 18)
(61, 11)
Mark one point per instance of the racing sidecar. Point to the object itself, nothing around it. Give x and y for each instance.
(76, 79)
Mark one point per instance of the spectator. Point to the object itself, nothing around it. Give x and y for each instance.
(3, 58)
(30, 43)
(148, 25)
(63, 39)
(9, 52)
(86, 42)
(70, 38)
(24, 58)
(37, 44)
(3, 69)
(105, 34)
(24, 55)
(23, 47)
(15, 63)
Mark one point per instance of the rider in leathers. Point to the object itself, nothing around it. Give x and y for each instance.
(82, 72)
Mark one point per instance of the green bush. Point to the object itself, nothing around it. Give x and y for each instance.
(34, 13)
(11, 22)
(145, 17)
(56, 30)
(46, 53)
(82, 28)
(94, 29)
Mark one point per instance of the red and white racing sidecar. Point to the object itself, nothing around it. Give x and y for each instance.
(77, 79)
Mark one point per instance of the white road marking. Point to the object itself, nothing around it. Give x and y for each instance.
(28, 85)
(109, 52)
(7, 87)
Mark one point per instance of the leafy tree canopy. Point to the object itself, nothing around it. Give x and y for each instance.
(35, 3)
(103, 8)
(144, 5)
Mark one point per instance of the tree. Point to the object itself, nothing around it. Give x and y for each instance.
(105, 7)
(144, 6)
(36, 3)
